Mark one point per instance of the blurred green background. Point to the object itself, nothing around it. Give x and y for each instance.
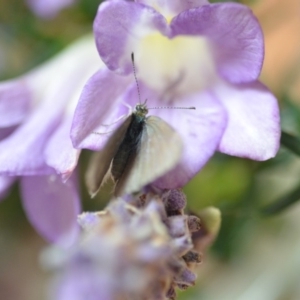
(257, 253)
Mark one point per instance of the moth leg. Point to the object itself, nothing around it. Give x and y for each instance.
(130, 110)
(108, 125)
(101, 133)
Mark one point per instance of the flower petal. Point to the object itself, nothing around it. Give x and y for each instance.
(184, 64)
(235, 34)
(55, 95)
(15, 98)
(76, 64)
(118, 27)
(48, 8)
(174, 7)
(80, 283)
(97, 104)
(200, 129)
(253, 128)
(52, 207)
(5, 183)
(22, 152)
(60, 153)
(7, 131)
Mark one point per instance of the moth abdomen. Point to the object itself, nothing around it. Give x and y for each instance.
(128, 148)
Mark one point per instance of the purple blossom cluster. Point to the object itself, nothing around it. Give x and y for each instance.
(188, 53)
(142, 250)
(36, 111)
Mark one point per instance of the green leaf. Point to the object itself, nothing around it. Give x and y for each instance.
(282, 203)
(291, 142)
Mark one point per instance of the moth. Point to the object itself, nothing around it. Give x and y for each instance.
(141, 150)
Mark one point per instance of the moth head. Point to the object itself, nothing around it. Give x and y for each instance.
(141, 109)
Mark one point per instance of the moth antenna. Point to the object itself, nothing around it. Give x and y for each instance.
(172, 107)
(102, 133)
(134, 72)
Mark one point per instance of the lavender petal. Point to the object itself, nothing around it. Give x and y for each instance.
(235, 34)
(15, 102)
(48, 8)
(118, 27)
(96, 106)
(52, 207)
(253, 128)
(174, 7)
(60, 153)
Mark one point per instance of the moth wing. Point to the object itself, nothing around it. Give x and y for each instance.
(159, 151)
(100, 162)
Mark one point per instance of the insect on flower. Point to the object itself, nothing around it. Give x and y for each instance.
(139, 151)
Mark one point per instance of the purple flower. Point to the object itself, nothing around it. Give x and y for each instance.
(36, 111)
(48, 8)
(187, 53)
(129, 251)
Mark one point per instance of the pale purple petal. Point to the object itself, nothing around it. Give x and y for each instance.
(22, 152)
(60, 153)
(48, 8)
(253, 128)
(200, 129)
(5, 184)
(88, 220)
(235, 34)
(187, 277)
(119, 26)
(56, 87)
(5, 181)
(98, 104)
(173, 7)
(52, 207)
(15, 98)
(84, 283)
(7, 131)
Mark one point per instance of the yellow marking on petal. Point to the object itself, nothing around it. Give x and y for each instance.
(169, 19)
(162, 61)
(164, 11)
